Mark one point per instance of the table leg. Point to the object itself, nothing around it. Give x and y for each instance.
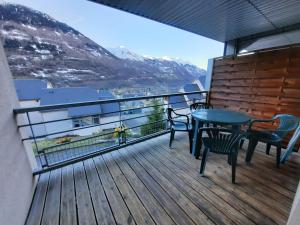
(251, 147)
(197, 141)
(236, 128)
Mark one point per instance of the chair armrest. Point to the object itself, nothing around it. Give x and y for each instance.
(182, 115)
(260, 121)
(186, 124)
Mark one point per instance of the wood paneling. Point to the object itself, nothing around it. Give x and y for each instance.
(148, 183)
(261, 84)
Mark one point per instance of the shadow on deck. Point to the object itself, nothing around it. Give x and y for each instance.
(147, 183)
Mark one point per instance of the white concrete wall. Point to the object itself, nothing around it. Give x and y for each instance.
(35, 117)
(16, 160)
(57, 126)
(87, 131)
(210, 66)
(110, 120)
(294, 218)
(68, 124)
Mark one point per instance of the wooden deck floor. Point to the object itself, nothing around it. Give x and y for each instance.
(148, 183)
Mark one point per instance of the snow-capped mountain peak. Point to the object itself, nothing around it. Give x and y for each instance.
(123, 53)
(40, 47)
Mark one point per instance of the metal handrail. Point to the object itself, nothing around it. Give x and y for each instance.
(89, 103)
(98, 114)
(44, 152)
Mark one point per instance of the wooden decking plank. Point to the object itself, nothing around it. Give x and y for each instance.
(37, 206)
(278, 175)
(264, 183)
(251, 187)
(101, 205)
(177, 214)
(276, 188)
(185, 173)
(52, 204)
(280, 183)
(255, 189)
(269, 161)
(261, 148)
(191, 209)
(156, 185)
(214, 203)
(134, 204)
(117, 204)
(85, 211)
(159, 215)
(68, 213)
(235, 189)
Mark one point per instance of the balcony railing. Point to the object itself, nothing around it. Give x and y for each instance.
(59, 139)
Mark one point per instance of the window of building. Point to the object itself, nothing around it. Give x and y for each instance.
(96, 120)
(77, 123)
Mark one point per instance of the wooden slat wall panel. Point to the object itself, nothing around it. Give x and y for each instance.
(261, 84)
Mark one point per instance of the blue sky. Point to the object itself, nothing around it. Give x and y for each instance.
(112, 28)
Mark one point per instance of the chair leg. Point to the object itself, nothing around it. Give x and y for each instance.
(251, 147)
(172, 134)
(242, 143)
(278, 154)
(191, 134)
(233, 167)
(229, 160)
(268, 149)
(203, 161)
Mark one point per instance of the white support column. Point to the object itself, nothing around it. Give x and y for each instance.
(294, 218)
(209, 71)
(16, 160)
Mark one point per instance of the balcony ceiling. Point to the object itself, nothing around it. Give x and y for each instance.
(220, 20)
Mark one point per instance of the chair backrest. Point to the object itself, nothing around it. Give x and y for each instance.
(287, 123)
(170, 116)
(291, 145)
(199, 105)
(169, 112)
(222, 140)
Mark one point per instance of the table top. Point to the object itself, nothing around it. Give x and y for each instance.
(221, 116)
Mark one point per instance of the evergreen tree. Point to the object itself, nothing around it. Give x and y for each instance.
(154, 123)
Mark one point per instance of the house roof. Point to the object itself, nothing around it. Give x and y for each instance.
(221, 20)
(54, 96)
(133, 95)
(133, 123)
(108, 109)
(177, 102)
(191, 88)
(29, 89)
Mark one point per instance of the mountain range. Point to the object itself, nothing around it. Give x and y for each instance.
(40, 47)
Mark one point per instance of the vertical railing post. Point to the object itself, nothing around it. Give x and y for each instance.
(34, 139)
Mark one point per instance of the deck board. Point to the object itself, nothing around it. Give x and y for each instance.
(101, 205)
(117, 203)
(85, 210)
(68, 214)
(52, 204)
(151, 204)
(137, 209)
(148, 183)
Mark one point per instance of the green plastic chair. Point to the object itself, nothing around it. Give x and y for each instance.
(178, 125)
(199, 105)
(291, 145)
(287, 123)
(221, 141)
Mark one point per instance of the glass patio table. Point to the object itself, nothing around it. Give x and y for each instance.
(215, 117)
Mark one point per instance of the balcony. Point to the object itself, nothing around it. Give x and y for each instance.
(119, 176)
(148, 183)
